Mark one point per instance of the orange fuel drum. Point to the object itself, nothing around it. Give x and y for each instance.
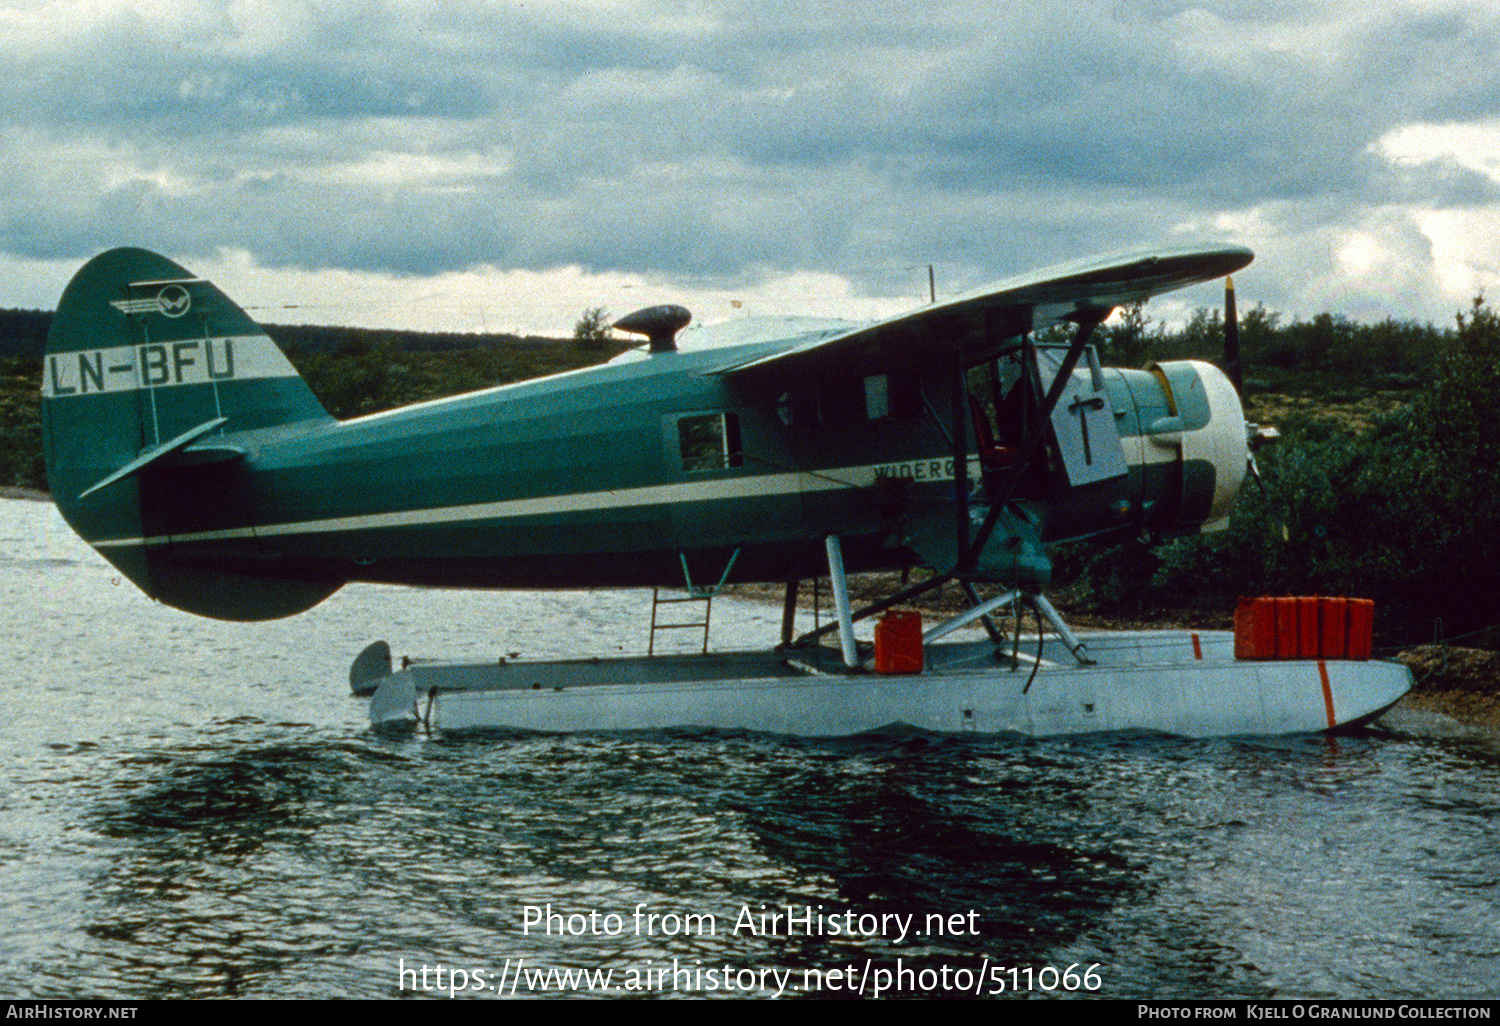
(1304, 627)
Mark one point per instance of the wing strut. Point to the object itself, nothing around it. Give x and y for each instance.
(1088, 319)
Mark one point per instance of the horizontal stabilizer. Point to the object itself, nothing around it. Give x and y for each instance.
(166, 448)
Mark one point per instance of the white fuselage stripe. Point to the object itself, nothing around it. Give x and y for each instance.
(581, 502)
(706, 490)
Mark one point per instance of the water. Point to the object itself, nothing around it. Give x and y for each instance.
(197, 809)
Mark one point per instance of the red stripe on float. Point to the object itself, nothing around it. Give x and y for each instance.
(1327, 694)
(1197, 648)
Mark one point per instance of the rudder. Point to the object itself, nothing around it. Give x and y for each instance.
(150, 377)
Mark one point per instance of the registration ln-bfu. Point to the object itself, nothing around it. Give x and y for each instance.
(183, 445)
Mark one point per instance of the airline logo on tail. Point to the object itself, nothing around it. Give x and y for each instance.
(172, 301)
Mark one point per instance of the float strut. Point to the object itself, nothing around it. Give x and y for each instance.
(989, 625)
(978, 611)
(789, 612)
(1079, 650)
(841, 600)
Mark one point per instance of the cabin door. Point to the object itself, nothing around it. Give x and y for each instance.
(1083, 422)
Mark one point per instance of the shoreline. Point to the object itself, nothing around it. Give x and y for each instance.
(1460, 683)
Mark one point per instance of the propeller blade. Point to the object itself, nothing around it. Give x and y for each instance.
(1265, 493)
(1232, 365)
(1258, 435)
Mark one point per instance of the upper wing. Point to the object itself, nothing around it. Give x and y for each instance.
(1007, 309)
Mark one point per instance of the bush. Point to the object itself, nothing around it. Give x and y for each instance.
(592, 329)
(21, 461)
(1406, 511)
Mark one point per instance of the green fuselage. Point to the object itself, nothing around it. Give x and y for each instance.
(593, 479)
(184, 446)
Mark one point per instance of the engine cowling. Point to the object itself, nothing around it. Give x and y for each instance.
(1192, 448)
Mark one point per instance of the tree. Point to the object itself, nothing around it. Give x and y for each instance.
(1126, 341)
(592, 329)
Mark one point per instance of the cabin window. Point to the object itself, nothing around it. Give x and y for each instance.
(898, 394)
(877, 397)
(709, 441)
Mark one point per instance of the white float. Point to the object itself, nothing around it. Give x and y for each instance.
(1175, 682)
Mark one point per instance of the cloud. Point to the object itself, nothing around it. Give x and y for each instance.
(714, 145)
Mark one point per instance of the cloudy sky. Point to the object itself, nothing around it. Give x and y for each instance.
(503, 165)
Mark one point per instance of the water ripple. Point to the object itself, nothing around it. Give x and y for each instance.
(194, 809)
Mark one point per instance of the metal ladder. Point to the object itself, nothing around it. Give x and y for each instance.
(694, 594)
(707, 598)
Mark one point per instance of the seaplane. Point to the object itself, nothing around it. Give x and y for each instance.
(960, 440)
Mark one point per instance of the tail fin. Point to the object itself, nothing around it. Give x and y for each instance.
(150, 375)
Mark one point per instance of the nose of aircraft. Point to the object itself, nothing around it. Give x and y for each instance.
(1221, 443)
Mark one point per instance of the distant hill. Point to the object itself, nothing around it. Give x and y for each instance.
(304, 338)
(23, 333)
